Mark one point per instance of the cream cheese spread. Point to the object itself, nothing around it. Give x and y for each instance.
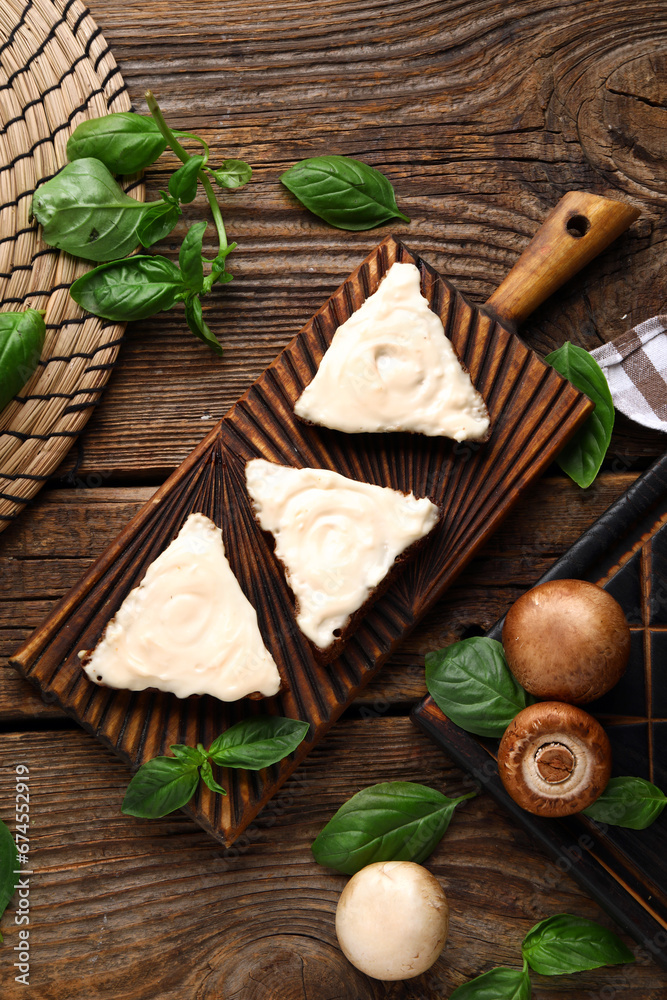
(336, 538)
(390, 367)
(187, 628)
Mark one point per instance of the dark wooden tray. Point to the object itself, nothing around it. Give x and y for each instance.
(533, 410)
(625, 551)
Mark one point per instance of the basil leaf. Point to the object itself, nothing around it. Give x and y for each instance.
(195, 319)
(630, 802)
(84, 211)
(582, 456)
(159, 787)
(392, 821)
(564, 944)
(21, 339)
(183, 183)
(157, 223)
(257, 743)
(472, 684)
(125, 142)
(129, 289)
(207, 775)
(498, 984)
(188, 754)
(232, 174)
(9, 865)
(344, 192)
(190, 257)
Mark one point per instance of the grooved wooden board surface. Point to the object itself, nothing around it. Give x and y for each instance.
(482, 114)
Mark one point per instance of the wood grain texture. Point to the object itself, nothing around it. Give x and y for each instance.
(156, 910)
(481, 115)
(533, 412)
(42, 556)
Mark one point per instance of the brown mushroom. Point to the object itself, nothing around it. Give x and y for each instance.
(554, 759)
(567, 640)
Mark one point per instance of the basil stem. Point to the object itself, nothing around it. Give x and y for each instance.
(184, 156)
(164, 784)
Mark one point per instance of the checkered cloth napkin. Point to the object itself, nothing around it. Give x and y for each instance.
(635, 365)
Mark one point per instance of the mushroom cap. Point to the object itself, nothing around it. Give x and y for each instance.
(567, 640)
(554, 759)
(392, 920)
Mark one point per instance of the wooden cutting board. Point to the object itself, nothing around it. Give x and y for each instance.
(534, 412)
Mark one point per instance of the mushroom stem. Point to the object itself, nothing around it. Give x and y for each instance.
(555, 762)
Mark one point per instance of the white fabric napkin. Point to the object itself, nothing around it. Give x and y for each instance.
(635, 365)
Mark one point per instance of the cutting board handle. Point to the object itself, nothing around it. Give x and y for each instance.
(580, 227)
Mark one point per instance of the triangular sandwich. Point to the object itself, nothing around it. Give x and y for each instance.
(390, 367)
(187, 628)
(337, 540)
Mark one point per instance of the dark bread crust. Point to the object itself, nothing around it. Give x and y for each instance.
(332, 652)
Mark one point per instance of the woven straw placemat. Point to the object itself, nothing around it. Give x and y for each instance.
(55, 71)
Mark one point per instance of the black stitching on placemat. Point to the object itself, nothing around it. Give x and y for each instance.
(99, 368)
(19, 232)
(13, 498)
(117, 93)
(40, 437)
(12, 204)
(70, 3)
(75, 407)
(106, 51)
(39, 291)
(11, 517)
(38, 52)
(110, 75)
(13, 476)
(46, 397)
(81, 354)
(40, 99)
(28, 267)
(80, 18)
(95, 34)
(49, 138)
(17, 27)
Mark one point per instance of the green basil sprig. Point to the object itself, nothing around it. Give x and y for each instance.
(472, 684)
(85, 211)
(554, 947)
(391, 821)
(164, 784)
(582, 456)
(343, 191)
(9, 865)
(564, 943)
(21, 339)
(630, 802)
(497, 984)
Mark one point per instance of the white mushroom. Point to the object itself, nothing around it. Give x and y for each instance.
(392, 920)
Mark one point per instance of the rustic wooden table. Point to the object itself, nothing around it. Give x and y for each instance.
(482, 115)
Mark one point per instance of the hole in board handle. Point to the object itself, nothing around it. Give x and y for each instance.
(578, 226)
